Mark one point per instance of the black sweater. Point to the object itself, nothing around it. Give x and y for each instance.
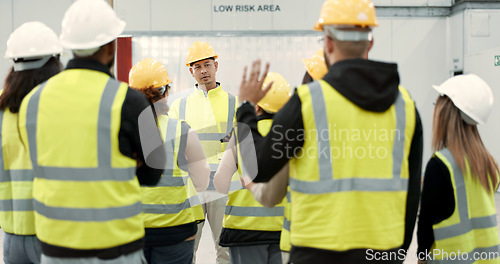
(437, 203)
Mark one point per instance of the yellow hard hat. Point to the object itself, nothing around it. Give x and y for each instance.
(316, 65)
(199, 51)
(347, 13)
(148, 73)
(278, 95)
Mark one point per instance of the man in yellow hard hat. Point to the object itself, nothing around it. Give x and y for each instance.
(209, 110)
(251, 231)
(353, 141)
(167, 208)
(81, 128)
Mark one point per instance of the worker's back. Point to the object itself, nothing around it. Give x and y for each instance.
(352, 175)
(86, 193)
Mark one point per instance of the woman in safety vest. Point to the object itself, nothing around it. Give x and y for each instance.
(457, 213)
(168, 208)
(34, 49)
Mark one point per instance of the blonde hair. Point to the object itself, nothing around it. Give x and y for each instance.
(463, 141)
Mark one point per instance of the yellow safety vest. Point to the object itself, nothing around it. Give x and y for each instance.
(16, 179)
(349, 181)
(285, 244)
(168, 204)
(244, 212)
(471, 232)
(211, 116)
(86, 195)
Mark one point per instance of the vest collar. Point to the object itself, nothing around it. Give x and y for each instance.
(88, 64)
(265, 116)
(214, 92)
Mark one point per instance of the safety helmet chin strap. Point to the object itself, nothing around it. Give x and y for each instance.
(31, 64)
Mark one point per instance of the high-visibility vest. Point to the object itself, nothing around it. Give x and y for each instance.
(86, 195)
(244, 212)
(16, 179)
(285, 244)
(472, 228)
(168, 204)
(349, 181)
(211, 116)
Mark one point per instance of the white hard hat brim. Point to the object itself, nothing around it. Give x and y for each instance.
(464, 109)
(96, 43)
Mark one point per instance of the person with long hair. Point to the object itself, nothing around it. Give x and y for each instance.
(34, 49)
(457, 211)
(169, 208)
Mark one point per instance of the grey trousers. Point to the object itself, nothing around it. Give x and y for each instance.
(214, 211)
(262, 254)
(21, 249)
(285, 257)
(132, 258)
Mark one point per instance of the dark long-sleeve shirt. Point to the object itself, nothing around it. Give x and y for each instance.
(437, 204)
(128, 136)
(372, 86)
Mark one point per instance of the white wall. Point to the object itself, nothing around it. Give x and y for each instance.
(284, 52)
(208, 15)
(14, 13)
(481, 30)
(419, 47)
(5, 30)
(457, 40)
(482, 64)
(481, 42)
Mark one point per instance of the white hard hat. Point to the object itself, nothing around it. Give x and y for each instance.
(471, 95)
(33, 42)
(89, 24)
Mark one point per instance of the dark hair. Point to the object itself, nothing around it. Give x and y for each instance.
(152, 94)
(211, 58)
(19, 83)
(307, 78)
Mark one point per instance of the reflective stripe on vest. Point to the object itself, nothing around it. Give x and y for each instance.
(18, 205)
(286, 222)
(168, 178)
(167, 204)
(254, 211)
(243, 212)
(326, 183)
(6, 176)
(285, 244)
(166, 208)
(466, 223)
(212, 136)
(103, 172)
(336, 185)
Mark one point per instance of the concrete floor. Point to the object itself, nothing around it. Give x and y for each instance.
(206, 251)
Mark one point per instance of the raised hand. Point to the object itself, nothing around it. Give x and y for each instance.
(251, 88)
